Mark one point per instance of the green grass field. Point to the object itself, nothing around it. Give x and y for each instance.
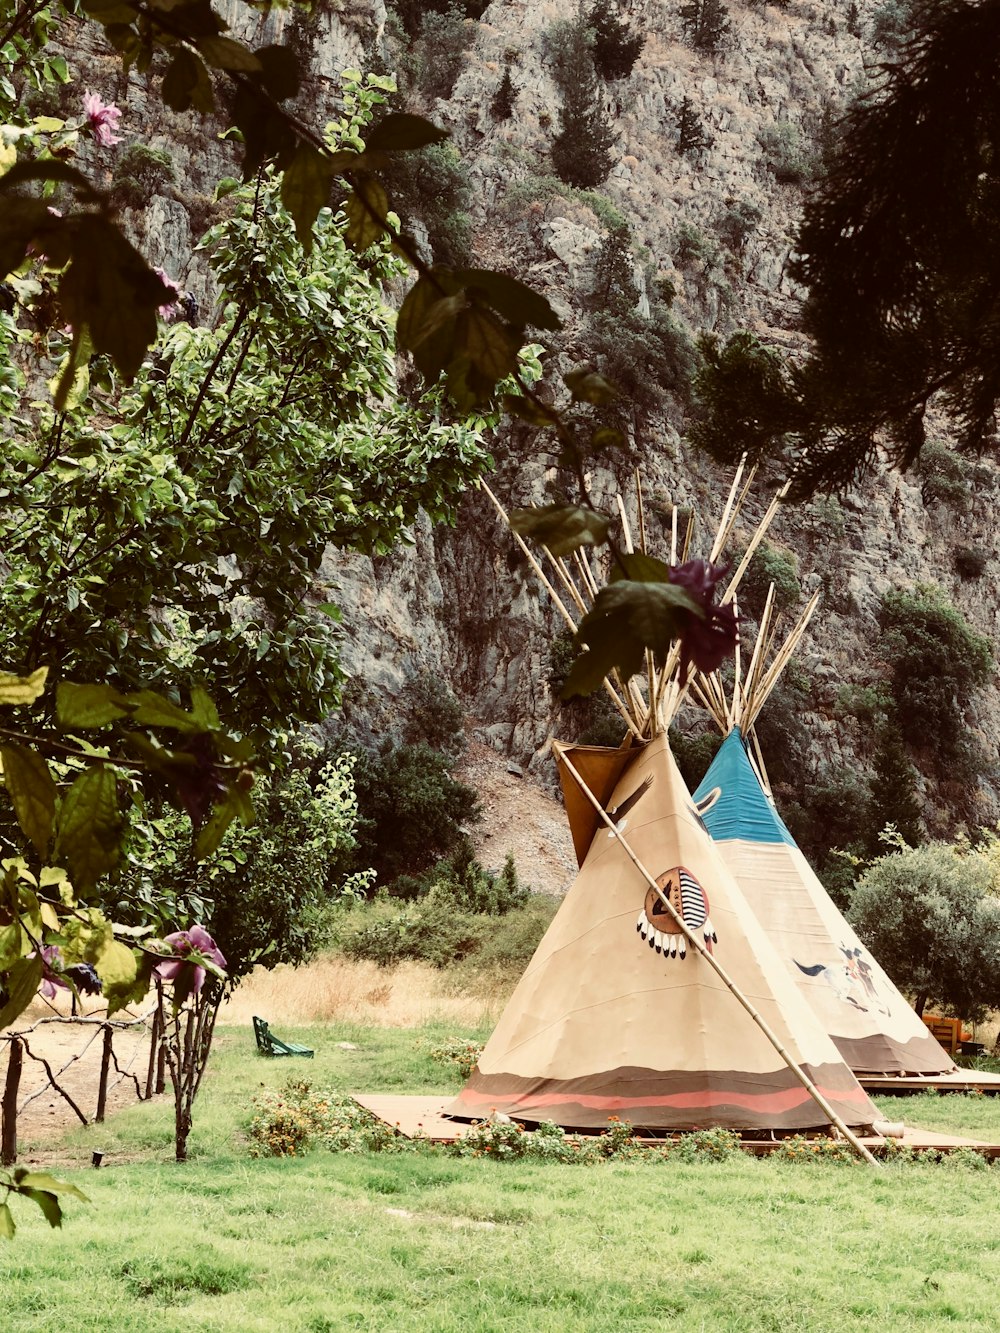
(429, 1243)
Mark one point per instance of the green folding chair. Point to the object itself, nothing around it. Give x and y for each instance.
(269, 1044)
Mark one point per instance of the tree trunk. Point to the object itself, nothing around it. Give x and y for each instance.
(921, 1001)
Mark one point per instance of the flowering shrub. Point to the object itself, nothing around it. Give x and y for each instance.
(458, 1051)
(290, 1122)
(799, 1148)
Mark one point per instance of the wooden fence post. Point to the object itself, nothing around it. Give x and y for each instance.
(102, 1087)
(8, 1107)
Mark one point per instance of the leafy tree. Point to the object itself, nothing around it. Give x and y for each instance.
(264, 895)
(900, 249)
(932, 918)
(692, 140)
(411, 809)
(195, 516)
(581, 151)
(614, 286)
(617, 45)
(705, 24)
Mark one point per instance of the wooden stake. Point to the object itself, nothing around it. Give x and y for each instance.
(102, 1085)
(8, 1107)
(722, 974)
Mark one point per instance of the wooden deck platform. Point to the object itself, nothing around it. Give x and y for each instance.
(966, 1080)
(424, 1117)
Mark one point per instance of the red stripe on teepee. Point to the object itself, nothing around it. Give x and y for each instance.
(784, 1100)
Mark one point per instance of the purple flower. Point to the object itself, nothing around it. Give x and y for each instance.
(51, 968)
(709, 638)
(103, 118)
(190, 949)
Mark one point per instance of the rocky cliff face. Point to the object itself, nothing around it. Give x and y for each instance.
(715, 227)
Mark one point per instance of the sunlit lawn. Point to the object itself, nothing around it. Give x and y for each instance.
(425, 1243)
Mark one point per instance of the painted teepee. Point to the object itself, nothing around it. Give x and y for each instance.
(655, 996)
(874, 1028)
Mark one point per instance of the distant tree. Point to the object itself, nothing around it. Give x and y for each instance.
(581, 151)
(692, 140)
(502, 105)
(706, 25)
(614, 277)
(900, 250)
(932, 918)
(617, 45)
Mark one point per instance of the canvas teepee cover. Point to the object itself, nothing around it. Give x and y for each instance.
(874, 1028)
(610, 1019)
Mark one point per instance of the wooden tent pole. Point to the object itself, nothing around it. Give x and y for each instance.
(722, 974)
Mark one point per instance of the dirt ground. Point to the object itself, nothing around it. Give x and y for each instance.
(518, 817)
(73, 1051)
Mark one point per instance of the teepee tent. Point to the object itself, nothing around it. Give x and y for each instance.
(873, 1027)
(655, 996)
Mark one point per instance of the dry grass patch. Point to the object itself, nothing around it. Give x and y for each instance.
(333, 989)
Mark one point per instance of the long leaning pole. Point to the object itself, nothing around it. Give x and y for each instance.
(723, 975)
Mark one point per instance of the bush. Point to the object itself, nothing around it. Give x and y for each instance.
(502, 105)
(932, 918)
(694, 754)
(291, 1122)
(770, 564)
(581, 151)
(140, 172)
(970, 561)
(439, 55)
(936, 660)
(411, 809)
(435, 715)
(464, 882)
(692, 139)
(647, 357)
(943, 476)
(790, 159)
(706, 25)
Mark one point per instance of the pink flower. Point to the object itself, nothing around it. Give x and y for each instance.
(170, 310)
(103, 118)
(51, 980)
(191, 949)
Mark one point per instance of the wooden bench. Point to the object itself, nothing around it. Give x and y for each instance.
(270, 1045)
(948, 1031)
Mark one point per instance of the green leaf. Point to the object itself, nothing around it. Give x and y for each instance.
(587, 386)
(401, 132)
(525, 410)
(110, 11)
(203, 710)
(488, 344)
(365, 227)
(150, 709)
(187, 83)
(33, 792)
(606, 437)
(214, 830)
(7, 1227)
(48, 1203)
(21, 983)
(642, 568)
(89, 827)
(225, 53)
(279, 71)
(16, 690)
(116, 965)
(41, 1180)
(305, 189)
(111, 290)
(81, 706)
(626, 619)
(517, 303)
(562, 528)
(11, 944)
(49, 169)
